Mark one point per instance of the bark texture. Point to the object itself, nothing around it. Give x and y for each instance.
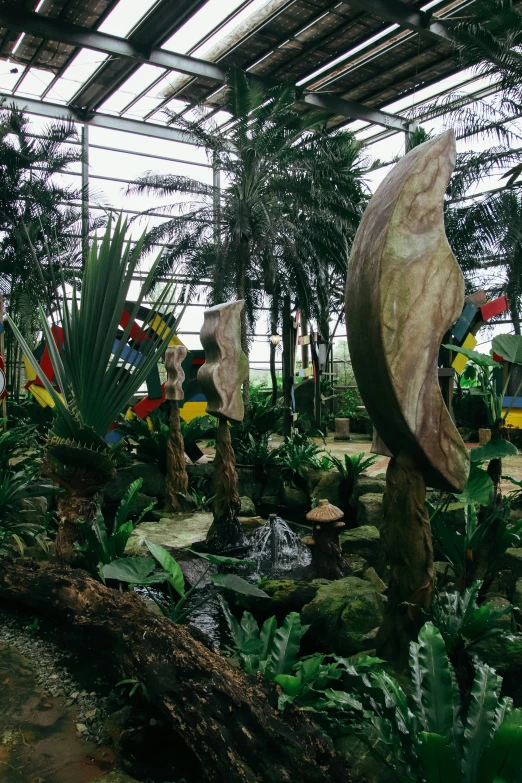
(408, 550)
(225, 531)
(327, 559)
(225, 717)
(70, 509)
(176, 481)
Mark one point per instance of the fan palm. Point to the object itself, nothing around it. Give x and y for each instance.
(95, 373)
(290, 205)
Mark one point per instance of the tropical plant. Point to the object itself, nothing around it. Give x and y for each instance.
(297, 453)
(103, 545)
(17, 511)
(39, 216)
(435, 737)
(349, 469)
(176, 604)
(290, 204)
(486, 366)
(94, 373)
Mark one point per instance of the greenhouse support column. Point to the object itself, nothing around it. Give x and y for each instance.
(85, 193)
(3, 401)
(288, 367)
(216, 182)
(304, 347)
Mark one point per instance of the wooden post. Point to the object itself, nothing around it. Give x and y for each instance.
(288, 372)
(176, 484)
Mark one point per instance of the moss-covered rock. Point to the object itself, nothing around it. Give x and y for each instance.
(248, 508)
(362, 541)
(371, 576)
(173, 531)
(153, 482)
(512, 560)
(324, 484)
(358, 565)
(286, 595)
(365, 485)
(369, 510)
(344, 615)
(295, 498)
(503, 653)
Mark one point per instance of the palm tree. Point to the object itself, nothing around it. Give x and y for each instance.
(291, 203)
(96, 376)
(38, 219)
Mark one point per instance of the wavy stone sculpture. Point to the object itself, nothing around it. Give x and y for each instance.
(404, 290)
(225, 369)
(226, 366)
(176, 481)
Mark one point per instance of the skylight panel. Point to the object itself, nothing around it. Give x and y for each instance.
(133, 86)
(203, 22)
(9, 74)
(76, 74)
(230, 27)
(349, 53)
(35, 81)
(141, 108)
(125, 16)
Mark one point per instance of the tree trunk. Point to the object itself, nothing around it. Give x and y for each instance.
(408, 549)
(225, 531)
(70, 509)
(227, 719)
(244, 258)
(176, 483)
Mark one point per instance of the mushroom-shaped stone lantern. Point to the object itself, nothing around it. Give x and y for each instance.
(325, 547)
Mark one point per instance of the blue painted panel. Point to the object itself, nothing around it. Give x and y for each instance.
(507, 402)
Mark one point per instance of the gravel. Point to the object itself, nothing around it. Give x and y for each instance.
(54, 678)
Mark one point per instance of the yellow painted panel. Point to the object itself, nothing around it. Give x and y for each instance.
(515, 417)
(192, 409)
(30, 373)
(42, 396)
(460, 360)
(130, 414)
(161, 328)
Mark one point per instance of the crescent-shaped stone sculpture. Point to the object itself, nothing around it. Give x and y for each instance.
(404, 291)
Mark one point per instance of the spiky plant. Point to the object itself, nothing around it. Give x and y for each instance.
(94, 373)
(291, 201)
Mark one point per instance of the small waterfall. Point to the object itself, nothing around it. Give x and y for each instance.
(275, 548)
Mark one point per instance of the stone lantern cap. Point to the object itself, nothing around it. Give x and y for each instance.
(325, 512)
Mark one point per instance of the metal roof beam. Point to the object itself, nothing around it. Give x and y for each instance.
(404, 15)
(57, 112)
(75, 35)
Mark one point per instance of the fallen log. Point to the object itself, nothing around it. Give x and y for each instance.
(226, 718)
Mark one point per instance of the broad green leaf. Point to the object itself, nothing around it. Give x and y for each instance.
(435, 682)
(503, 756)
(509, 346)
(480, 719)
(250, 627)
(479, 487)
(134, 570)
(482, 359)
(285, 646)
(343, 700)
(221, 559)
(235, 629)
(237, 584)
(167, 562)
(267, 636)
(127, 504)
(493, 449)
(291, 685)
(436, 756)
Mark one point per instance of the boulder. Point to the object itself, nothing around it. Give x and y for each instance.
(365, 485)
(505, 622)
(248, 508)
(512, 560)
(358, 565)
(444, 574)
(369, 510)
(362, 541)
(143, 501)
(286, 595)
(502, 652)
(344, 615)
(173, 532)
(325, 484)
(153, 478)
(295, 498)
(371, 576)
(247, 482)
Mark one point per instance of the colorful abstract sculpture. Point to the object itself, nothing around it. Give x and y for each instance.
(404, 291)
(221, 377)
(176, 482)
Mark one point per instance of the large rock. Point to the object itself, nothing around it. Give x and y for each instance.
(369, 510)
(362, 541)
(286, 595)
(345, 615)
(248, 508)
(512, 560)
(366, 485)
(153, 482)
(502, 652)
(295, 498)
(173, 532)
(325, 484)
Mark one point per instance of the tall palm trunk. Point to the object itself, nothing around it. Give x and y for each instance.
(72, 508)
(243, 265)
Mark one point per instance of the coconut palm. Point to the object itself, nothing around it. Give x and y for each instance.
(95, 374)
(289, 208)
